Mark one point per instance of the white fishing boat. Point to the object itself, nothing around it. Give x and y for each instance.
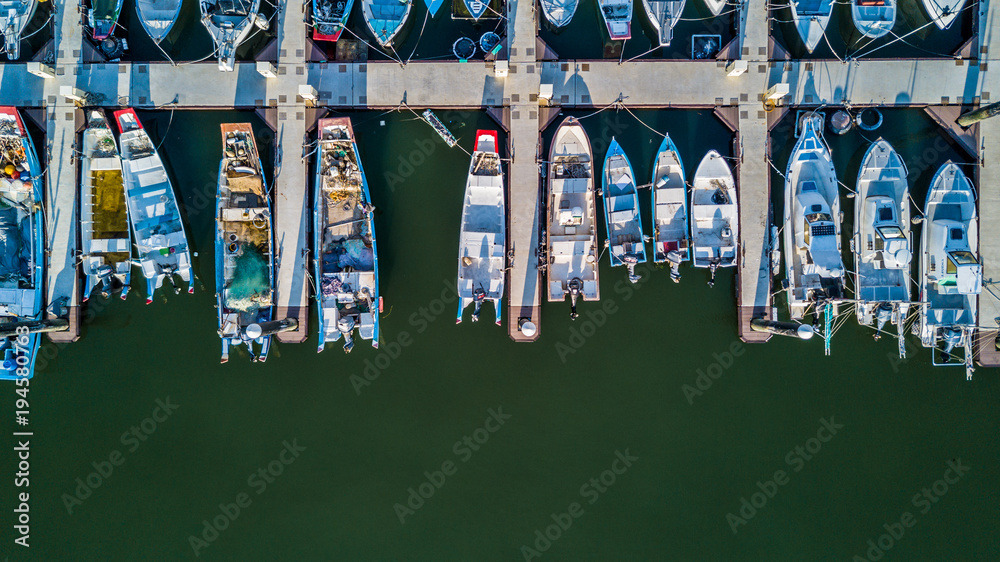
(14, 17)
(617, 15)
(882, 240)
(814, 269)
(346, 261)
(951, 277)
(811, 18)
(715, 220)
(476, 7)
(104, 224)
(572, 267)
(622, 220)
(244, 261)
(158, 16)
(663, 16)
(670, 212)
(943, 12)
(385, 18)
(715, 6)
(482, 239)
(559, 12)
(152, 206)
(873, 18)
(229, 23)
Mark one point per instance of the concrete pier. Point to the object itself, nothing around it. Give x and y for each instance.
(989, 205)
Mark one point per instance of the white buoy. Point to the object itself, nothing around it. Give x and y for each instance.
(254, 331)
(805, 332)
(528, 328)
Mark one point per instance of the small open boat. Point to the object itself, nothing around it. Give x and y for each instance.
(621, 212)
(572, 267)
(874, 18)
(229, 23)
(103, 16)
(559, 12)
(951, 276)
(158, 16)
(814, 268)
(482, 251)
(344, 237)
(811, 18)
(104, 225)
(329, 18)
(433, 6)
(670, 213)
(14, 17)
(244, 261)
(943, 12)
(715, 6)
(664, 15)
(476, 7)
(22, 246)
(715, 226)
(617, 15)
(882, 240)
(385, 18)
(152, 207)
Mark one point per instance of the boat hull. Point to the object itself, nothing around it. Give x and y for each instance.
(385, 18)
(622, 219)
(670, 211)
(228, 28)
(874, 18)
(158, 17)
(811, 18)
(663, 16)
(329, 18)
(14, 17)
(617, 17)
(714, 215)
(103, 16)
(559, 12)
(943, 12)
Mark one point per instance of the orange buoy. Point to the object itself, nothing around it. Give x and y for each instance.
(16, 175)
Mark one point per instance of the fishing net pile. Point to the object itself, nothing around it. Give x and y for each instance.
(352, 253)
(250, 288)
(13, 252)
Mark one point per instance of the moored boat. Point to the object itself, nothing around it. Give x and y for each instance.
(882, 240)
(811, 18)
(873, 18)
(22, 246)
(152, 206)
(14, 17)
(433, 6)
(158, 16)
(664, 15)
(670, 213)
(476, 7)
(385, 18)
(102, 17)
(329, 18)
(104, 224)
(814, 269)
(572, 267)
(951, 276)
(482, 239)
(244, 260)
(617, 15)
(715, 221)
(943, 12)
(621, 212)
(346, 262)
(559, 12)
(229, 23)
(715, 6)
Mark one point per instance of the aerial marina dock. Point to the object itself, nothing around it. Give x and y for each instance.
(753, 85)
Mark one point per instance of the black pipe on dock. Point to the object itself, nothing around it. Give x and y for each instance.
(978, 115)
(790, 329)
(9, 329)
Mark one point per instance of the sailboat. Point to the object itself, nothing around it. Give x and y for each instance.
(882, 243)
(476, 7)
(158, 16)
(103, 16)
(951, 276)
(385, 18)
(664, 15)
(104, 225)
(229, 23)
(715, 220)
(874, 18)
(152, 207)
(670, 213)
(482, 239)
(715, 6)
(244, 260)
(22, 246)
(559, 12)
(572, 267)
(943, 12)
(814, 269)
(344, 237)
(617, 15)
(329, 18)
(621, 212)
(811, 18)
(14, 17)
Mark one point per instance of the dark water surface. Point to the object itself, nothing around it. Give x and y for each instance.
(631, 376)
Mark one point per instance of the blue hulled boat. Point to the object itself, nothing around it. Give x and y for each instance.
(670, 212)
(621, 212)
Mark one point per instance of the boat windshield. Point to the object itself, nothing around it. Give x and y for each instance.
(890, 233)
(962, 257)
(818, 217)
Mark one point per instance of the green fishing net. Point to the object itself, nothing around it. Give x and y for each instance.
(250, 288)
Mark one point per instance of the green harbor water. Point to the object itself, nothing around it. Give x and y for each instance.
(728, 448)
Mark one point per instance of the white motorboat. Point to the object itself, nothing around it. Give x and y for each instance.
(670, 212)
(621, 212)
(617, 15)
(663, 16)
(158, 16)
(873, 18)
(943, 12)
(229, 23)
(715, 6)
(715, 219)
(559, 12)
(14, 17)
(811, 18)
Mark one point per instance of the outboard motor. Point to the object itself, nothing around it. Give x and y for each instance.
(346, 327)
(477, 297)
(630, 261)
(575, 286)
(712, 267)
(675, 258)
(882, 315)
(104, 274)
(952, 338)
